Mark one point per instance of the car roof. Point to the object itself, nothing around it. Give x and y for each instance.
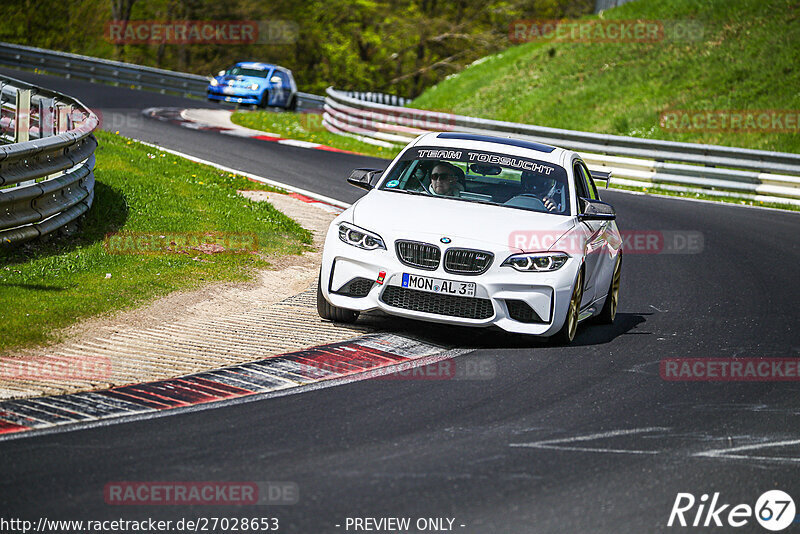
(490, 143)
(255, 65)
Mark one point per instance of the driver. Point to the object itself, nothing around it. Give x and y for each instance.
(446, 180)
(541, 187)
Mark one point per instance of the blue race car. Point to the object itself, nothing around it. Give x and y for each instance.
(261, 84)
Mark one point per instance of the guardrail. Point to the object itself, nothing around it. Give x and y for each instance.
(689, 167)
(47, 169)
(379, 98)
(118, 72)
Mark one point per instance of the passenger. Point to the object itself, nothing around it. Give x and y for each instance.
(446, 180)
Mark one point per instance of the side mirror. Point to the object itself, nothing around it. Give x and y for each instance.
(275, 79)
(221, 73)
(602, 175)
(596, 210)
(364, 178)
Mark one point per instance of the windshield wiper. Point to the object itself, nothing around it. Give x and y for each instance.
(489, 202)
(409, 192)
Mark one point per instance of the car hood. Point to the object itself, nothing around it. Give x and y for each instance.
(396, 215)
(240, 80)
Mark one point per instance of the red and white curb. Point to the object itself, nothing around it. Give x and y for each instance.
(369, 356)
(207, 120)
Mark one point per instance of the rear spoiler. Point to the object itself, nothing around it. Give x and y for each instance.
(602, 175)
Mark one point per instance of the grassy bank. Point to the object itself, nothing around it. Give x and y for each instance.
(139, 190)
(739, 55)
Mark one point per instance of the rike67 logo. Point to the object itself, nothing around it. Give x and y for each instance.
(774, 511)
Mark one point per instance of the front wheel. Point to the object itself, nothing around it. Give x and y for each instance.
(609, 311)
(264, 101)
(328, 311)
(567, 332)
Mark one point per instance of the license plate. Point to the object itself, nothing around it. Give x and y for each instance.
(228, 90)
(437, 285)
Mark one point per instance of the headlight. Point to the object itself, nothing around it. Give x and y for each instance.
(214, 82)
(254, 87)
(358, 237)
(538, 262)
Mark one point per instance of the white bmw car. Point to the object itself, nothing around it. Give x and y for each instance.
(478, 231)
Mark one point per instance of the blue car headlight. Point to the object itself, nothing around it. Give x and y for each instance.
(254, 87)
(358, 237)
(214, 82)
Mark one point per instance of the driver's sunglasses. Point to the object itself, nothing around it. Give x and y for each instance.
(442, 176)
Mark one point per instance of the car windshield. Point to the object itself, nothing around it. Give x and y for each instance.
(242, 71)
(485, 177)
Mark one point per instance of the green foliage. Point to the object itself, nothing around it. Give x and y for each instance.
(46, 286)
(373, 45)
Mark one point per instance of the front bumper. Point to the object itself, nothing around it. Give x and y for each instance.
(240, 96)
(500, 292)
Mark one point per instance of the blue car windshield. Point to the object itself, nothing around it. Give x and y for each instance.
(241, 71)
(484, 177)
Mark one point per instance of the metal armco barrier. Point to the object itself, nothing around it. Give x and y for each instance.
(46, 169)
(379, 98)
(118, 72)
(688, 167)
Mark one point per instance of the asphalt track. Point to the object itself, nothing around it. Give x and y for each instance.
(585, 438)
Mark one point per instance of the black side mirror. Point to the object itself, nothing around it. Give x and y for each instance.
(364, 178)
(603, 176)
(596, 210)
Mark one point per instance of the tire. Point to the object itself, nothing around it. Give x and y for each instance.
(609, 311)
(263, 103)
(292, 105)
(328, 311)
(567, 332)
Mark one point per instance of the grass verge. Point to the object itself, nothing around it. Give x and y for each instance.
(51, 285)
(307, 127)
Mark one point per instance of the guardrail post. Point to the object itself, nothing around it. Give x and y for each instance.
(47, 119)
(22, 119)
(5, 135)
(62, 118)
(48, 126)
(22, 122)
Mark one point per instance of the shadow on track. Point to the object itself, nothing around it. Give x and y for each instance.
(492, 337)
